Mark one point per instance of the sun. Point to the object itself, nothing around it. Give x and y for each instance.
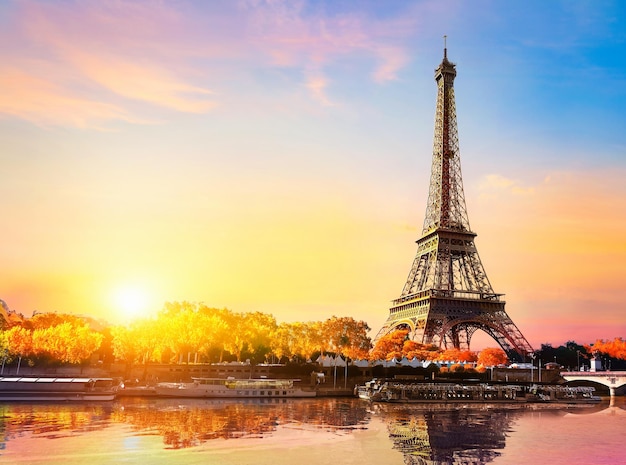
(131, 302)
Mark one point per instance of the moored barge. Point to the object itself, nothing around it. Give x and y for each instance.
(233, 388)
(57, 389)
(402, 391)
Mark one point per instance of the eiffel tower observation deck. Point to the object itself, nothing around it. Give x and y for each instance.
(447, 296)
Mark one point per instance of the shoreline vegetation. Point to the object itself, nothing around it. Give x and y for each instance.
(187, 337)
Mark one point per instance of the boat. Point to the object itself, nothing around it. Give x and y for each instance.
(562, 394)
(136, 391)
(231, 387)
(381, 390)
(57, 389)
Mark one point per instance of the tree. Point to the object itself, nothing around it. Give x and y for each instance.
(390, 345)
(125, 344)
(258, 328)
(457, 355)
(412, 349)
(236, 341)
(283, 340)
(19, 341)
(615, 348)
(492, 356)
(347, 336)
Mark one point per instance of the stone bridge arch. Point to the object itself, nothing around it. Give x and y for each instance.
(614, 380)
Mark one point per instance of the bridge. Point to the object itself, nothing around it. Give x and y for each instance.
(614, 380)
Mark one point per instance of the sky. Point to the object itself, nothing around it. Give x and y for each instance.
(274, 156)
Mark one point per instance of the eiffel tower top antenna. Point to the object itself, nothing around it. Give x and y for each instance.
(445, 47)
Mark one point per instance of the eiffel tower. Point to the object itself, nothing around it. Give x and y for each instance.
(447, 296)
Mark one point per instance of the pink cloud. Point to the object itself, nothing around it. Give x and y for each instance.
(83, 64)
(317, 85)
(292, 38)
(182, 57)
(38, 100)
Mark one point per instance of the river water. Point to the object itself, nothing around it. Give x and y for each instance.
(310, 431)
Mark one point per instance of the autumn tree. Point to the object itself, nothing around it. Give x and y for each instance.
(492, 356)
(310, 338)
(457, 355)
(62, 338)
(258, 329)
(49, 320)
(236, 341)
(215, 330)
(283, 340)
(19, 341)
(615, 348)
(347, 336)
(412, 349)
(125, 344)
(390, 345)
(179, 329)
(66, 342)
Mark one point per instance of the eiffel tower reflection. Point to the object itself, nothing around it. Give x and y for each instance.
(441, 435)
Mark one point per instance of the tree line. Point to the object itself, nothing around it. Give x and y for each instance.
(184, 332)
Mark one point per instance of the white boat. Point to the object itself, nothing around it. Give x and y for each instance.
(57, 389)
(239, 388)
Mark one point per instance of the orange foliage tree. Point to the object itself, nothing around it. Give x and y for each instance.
(615, 348)
(66, 342)
(347, 336)
(64, 338)
(397, 345)
(298, 339)
(412, 349)
(492, 356)
(18, 341)
(457, 355)
(390, 345)
(191, 332)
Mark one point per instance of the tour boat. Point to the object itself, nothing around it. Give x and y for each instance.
(57, 389)
(230, 387)
(378, 390)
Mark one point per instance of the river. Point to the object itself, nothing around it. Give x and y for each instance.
(309, 431)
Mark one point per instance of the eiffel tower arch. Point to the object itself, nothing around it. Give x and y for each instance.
(447, 296)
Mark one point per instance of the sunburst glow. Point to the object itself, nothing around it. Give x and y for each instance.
(131, 302)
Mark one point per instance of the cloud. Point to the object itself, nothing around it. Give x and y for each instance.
(146, 82)
(40, 101)
(391, 60)
(317, 85)
(495, 184)
(129, 60)
(296, 35)
(85, 64)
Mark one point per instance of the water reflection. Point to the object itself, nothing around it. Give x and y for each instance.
(433, 434)
(50, 420)
(190, 422)
(442, 434)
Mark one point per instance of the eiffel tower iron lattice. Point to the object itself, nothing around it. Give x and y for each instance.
(447, 296)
